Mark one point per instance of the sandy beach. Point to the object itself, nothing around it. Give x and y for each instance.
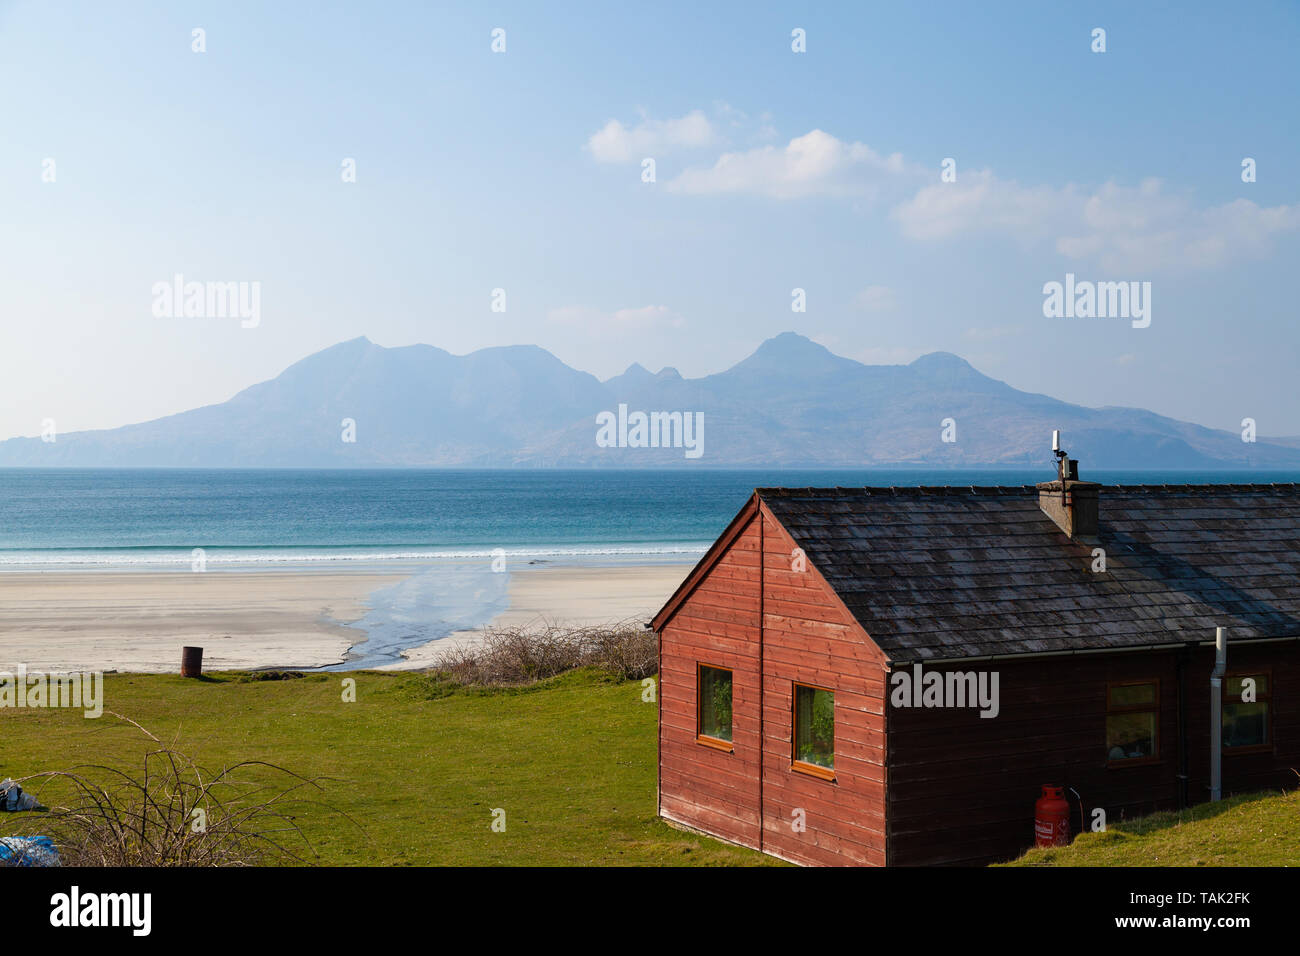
(138, 621)
(569, 595)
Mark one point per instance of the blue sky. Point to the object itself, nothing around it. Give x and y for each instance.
(774, 170)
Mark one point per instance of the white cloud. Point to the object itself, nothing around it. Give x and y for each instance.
(996, 332)
(1146, 228)
(616, 143)
(876, 298)
(1118, 227)
(813, 164)
(979, 201)
(728, 114)
(616, 322)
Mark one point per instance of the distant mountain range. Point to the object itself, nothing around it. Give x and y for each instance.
(791, 403)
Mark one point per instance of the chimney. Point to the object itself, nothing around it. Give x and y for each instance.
(1071, 503)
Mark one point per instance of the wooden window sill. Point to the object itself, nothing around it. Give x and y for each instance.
(715, 743)
(812, 770)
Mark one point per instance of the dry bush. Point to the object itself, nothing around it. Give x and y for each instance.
(148, 817)
(521, 655)
(630, 651)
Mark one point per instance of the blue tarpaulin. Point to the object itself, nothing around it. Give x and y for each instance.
(28, 851)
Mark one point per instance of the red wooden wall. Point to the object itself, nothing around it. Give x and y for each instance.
(717, 624)
(807, 636)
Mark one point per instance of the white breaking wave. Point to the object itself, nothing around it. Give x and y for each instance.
(23, 560)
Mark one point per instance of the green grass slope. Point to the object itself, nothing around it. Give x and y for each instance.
(1257, 829)
(418, 764)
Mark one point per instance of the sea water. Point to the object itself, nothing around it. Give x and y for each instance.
(447, 528)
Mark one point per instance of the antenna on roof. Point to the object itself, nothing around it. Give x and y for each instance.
(1061, 458)
(1066, 468)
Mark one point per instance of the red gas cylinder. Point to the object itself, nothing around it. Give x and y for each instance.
(1052, 818)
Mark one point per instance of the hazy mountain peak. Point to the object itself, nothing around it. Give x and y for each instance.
(635, 376)
(791, 343)
(331, 360)
(359, 344)
(791, 403)
(946, 367)
(934, 361)
(792, 353)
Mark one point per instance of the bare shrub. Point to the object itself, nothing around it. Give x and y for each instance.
(630, 651)
(172, 812)
(523, 654)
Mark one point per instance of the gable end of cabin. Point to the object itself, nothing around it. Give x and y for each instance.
(772, 720)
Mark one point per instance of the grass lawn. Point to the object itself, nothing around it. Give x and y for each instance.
(418, 764)
(1250, 830)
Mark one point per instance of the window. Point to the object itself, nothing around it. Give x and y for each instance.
(713, 718)
(814, 731)
(1246, 711)
(1132, 722)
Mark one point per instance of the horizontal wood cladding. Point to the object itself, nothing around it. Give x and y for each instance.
(753, 796)
(809, 637)
(962, 788)
(717, 624)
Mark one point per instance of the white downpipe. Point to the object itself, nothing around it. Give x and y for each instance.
(1216, 712)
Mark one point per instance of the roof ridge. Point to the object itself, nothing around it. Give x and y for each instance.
(1284, 487)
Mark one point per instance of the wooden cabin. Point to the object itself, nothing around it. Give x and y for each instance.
(799, 714)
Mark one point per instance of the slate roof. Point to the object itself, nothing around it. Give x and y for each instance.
(949, 573)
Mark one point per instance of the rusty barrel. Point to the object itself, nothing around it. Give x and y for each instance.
(191, 661)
